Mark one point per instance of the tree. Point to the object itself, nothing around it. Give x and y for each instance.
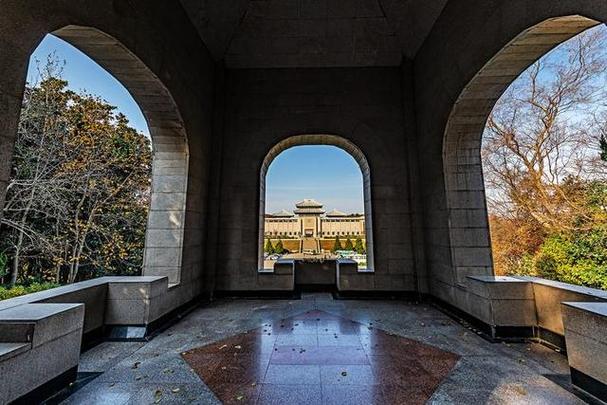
(534, 150)
(79, 190)
(359, 247)
(603, 145)
(279, 247)
(337, 245)
(269, 249)
(349, 245)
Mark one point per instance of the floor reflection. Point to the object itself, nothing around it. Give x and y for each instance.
(316, 357)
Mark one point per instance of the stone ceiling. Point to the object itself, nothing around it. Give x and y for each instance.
(313, 33)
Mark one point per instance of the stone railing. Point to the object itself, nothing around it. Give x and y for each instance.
(279, 278)
(41, 333)
(565, 316)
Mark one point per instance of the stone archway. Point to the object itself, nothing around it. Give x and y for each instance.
(470, 244)
(332, 140)
(165, 230)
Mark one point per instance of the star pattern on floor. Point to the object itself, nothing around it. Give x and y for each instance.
(316, 357)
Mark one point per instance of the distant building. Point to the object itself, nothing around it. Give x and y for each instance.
(309, 220)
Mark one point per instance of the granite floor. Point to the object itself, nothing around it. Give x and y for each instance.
(320, 350)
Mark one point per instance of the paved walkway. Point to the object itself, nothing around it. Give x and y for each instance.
(302, 351)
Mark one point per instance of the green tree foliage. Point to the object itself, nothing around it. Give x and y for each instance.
(77, 202)
(359, 247)
(279, 248)
(269, 248)
(348, 245)
(337, 245)
(18, 290)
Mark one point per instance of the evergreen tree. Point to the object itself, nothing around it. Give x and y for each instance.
(279, 248)
(359, 247)
(269, 249)
(349, 245)
(337, 245)
(603, 143)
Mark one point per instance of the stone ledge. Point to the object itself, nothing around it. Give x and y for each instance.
(585, 325)
(51, 321)
(8, 350)
(351, 278)
(50, 348)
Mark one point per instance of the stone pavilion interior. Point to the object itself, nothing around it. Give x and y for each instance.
(405, 87)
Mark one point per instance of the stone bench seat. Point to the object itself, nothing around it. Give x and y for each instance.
(8, 350)
(585, 325)
(38, 343)
(41, 333)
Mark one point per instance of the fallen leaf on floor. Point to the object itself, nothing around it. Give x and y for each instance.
(136, 364)
(238, 347)
(344, 373)
(175, 390)
(223, 347)
(157, 396)
(239, 397)
(520, 390)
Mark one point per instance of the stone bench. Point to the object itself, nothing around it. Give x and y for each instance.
(524, 306)
(279, 278)
(585, 326)
(568, 317)
(39, 344)
(351, 278)
(109, 302)
(41, 333)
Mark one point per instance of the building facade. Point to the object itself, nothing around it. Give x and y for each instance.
(310, 220)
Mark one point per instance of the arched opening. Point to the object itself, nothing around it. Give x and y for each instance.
(315, 231)
(470, 242)
(162, 253)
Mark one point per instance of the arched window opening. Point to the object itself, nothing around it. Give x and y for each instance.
(315, 200)
(89, 193)
(545, 181)
(539, 124)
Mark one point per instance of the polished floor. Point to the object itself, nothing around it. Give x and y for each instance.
(337, 360)
(321, 351)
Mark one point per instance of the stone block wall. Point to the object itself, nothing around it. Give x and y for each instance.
(156, 53)
(264, 107)
(473, 52)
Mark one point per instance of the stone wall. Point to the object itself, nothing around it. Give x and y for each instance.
(464, 41)
(154, 50)
(264, 107)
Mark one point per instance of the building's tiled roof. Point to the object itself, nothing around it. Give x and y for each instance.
(311, 210)
(336, 213)
(309, 203)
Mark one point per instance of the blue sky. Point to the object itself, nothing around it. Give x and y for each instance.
(325, 173)
(82, 73)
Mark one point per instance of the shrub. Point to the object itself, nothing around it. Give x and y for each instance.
(18, 290)
(577, 258)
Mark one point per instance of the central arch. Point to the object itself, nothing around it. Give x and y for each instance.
(318, 139)
(468, 225)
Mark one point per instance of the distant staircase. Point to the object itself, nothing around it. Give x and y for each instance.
(310, 244)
